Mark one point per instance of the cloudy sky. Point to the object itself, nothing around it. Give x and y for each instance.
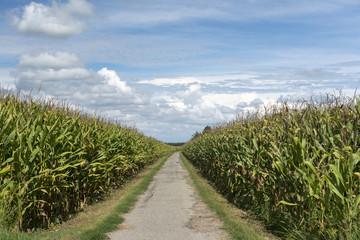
(171, 67)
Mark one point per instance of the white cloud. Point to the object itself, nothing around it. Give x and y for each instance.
(6, 81)
(229, 100)
(42, 67)
(55, 74)
(202, 79)
(63, 75)
(174, 103)
(57, 21)
(194, 106)
(114, 80)
(171, 81)
(51, 59)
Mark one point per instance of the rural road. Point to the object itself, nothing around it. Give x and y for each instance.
(170, 209)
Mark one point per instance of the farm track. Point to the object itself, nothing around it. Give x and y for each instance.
(170, 209)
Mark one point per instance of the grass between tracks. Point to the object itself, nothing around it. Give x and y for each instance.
(237, 223)
(100, 218)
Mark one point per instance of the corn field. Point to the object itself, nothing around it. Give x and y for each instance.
(54, 160)
(295, 166)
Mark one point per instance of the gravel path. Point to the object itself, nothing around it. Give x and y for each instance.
(170, 209)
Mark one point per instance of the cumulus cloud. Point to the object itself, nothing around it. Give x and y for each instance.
(57, 21)
(43, 67)
(230, 100)
(63, 75)
(114, 80)
(194, 105)
(52, 59)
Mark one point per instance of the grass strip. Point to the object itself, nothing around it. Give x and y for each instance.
(234, 223)
(111, 222)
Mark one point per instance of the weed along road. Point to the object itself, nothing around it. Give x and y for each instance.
(170, 209)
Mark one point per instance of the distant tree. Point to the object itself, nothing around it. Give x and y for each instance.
(207, 129)
(177, 144)
(195, 135)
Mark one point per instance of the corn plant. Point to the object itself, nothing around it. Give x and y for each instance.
(54, 160)
(295, 166)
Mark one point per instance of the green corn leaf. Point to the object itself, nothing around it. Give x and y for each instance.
(287, 203)
(355, 207)
(10, 137)
(335, 190)
(34, 153)
(311, 166)
(5, 170)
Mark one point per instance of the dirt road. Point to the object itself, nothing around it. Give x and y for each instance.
(170, 209)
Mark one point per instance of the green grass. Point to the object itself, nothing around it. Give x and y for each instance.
(233, 218)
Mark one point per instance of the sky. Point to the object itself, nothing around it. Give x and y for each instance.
(171, 67)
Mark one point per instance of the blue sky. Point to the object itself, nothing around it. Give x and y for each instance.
(171, 67)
